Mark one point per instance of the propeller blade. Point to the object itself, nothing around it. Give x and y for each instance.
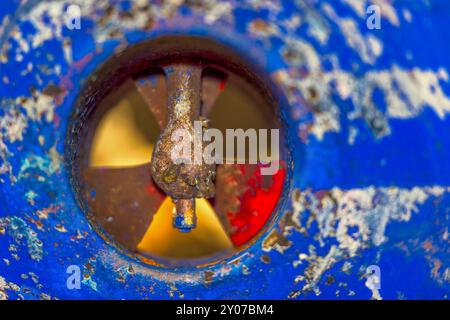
(123, 201)
(213, 84)
(153, 89)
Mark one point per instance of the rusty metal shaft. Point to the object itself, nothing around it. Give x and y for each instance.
(182, 179)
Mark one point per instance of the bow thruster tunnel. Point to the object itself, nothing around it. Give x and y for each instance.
(90, 91)
(127, 182)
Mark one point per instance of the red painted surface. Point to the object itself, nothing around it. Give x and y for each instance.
(257, 205)
(222, 84)
(152, 190)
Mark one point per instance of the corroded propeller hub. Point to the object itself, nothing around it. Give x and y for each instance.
(183, 179)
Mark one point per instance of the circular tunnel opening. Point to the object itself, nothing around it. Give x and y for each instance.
(116, 123)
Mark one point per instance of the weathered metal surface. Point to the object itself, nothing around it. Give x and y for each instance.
(366, 115)
(183, 179)
(123, 201)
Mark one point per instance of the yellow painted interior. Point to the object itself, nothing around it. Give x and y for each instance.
(125, 135)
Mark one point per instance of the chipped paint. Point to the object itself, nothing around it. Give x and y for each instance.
(330, 68)
(335, 212)
(21, 233)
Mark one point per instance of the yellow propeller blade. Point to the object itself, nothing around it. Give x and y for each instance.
(125, 135)
(161, 239)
